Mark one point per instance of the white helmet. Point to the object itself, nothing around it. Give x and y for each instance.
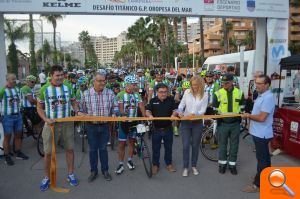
(80, 72)
(101, 71)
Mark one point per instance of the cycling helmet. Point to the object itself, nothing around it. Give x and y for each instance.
(217, 72)
(82, 80)
(101, 71)
(30, 78)
(186, 85)
(209, 73)
(72, 75)
(130, 80)
(203, 73)
(122, 72)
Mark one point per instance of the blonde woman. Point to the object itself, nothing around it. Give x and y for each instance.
(194, 103)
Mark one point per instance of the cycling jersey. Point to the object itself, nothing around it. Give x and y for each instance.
(130, 102)
(10, 100)
(57, 100)
(27, 91)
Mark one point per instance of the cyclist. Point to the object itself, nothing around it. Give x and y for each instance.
(12, 119)
(141, 82)
(217, 77)
(29, 103)
(129, 101)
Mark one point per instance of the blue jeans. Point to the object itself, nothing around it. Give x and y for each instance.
(191, 131)
(262, 156)
(167, 136)
(98, 136)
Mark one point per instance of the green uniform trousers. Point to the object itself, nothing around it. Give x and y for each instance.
(228, 132)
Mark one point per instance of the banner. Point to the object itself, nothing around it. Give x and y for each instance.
(277, 31)
(286, 128)
(230, 8)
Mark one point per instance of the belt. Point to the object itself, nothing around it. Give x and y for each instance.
(97, 123)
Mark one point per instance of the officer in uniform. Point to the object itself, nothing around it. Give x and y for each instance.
(228, 99)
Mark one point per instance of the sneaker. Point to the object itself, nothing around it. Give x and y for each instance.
(21, 156)
(120, 169)
(72, 180)
(45, 184)
(185, 172)
(93, 176)
(222, 169)
(108, 143)
(8, 160)
(154, 170)
(107, 176)
(130, 165)
(251, 189)
(233, 170)
(195, 171)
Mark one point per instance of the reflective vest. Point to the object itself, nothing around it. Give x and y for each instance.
(222, 98)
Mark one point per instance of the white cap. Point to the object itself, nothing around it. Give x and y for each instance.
(140, 70)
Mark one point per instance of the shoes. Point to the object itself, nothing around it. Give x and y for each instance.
(130, 165)
(222, 169)
(107, 176)
(8, 160)
(72, 180)
(170, 168)
(185, 172)
(21, 156)
(45, 184)
(233, 170)
(93, 176)
(251, 189)
(108, 143)
(120, 169)
(195, 171)
(154, 169)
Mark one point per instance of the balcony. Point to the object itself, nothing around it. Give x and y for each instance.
(295, 19)
(295, 37)
(240, 37)
(237, 28)
(212, 46)
(294, 28)
(214, 37)
(294, 10)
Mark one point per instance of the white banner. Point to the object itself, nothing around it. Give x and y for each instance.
(230, 8)
(277, 31)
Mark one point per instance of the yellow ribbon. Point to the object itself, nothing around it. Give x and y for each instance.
(86, 118)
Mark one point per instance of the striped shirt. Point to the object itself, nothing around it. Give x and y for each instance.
(57, 100)
(27, 91)
(10, 100)
(98, 103)
(130, 102)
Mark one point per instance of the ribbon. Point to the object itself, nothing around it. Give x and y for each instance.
(87, 118)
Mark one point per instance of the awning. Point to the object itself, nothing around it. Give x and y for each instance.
(290, 63)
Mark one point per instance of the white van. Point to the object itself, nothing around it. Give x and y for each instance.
(221, 62)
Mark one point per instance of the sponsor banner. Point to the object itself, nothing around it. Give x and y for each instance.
(231, 8)
(277, 35)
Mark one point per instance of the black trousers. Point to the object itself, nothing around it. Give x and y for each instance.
(262, 156)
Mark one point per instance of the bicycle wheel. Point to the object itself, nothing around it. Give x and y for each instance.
(40, 145)
(209, 145)
(146, 157)
(113, 136)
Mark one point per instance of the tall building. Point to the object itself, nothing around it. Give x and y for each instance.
(107, 47)
(294, 26)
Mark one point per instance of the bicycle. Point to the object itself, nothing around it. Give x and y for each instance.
(141, 148)
(81, 131)
(40, 145)
(209, 140)
(113, 134)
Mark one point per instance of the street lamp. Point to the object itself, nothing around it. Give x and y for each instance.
(193, 42)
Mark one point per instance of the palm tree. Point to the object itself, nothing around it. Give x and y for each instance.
(184, 26)
(53, 18)
(33, 68)
(14, 33)
(84, 38)
(175, 34)
(201, 41)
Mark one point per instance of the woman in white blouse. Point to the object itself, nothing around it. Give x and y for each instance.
(194, 102)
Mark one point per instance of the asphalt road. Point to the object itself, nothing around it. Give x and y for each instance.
(22, 180)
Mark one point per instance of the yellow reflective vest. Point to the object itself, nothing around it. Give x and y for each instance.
(223, 100)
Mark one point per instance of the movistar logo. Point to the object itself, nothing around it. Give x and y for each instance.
(61, 4)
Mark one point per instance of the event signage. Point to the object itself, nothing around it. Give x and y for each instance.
(230, 8)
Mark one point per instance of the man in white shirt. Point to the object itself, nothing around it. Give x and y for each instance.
(42, 78)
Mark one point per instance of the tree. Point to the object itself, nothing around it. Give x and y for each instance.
(184, 25)
(14, 33)
(33, 67)
(175, 34)
(201, 41)
(84, 39)
(53, 20)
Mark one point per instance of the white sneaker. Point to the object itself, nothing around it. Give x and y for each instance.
(195, 171)
(185, 173)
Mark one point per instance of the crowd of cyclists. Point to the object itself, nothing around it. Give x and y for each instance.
(79, 81)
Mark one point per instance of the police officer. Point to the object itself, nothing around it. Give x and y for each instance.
(228, 99)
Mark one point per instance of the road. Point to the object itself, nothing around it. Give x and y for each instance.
(22, 180)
